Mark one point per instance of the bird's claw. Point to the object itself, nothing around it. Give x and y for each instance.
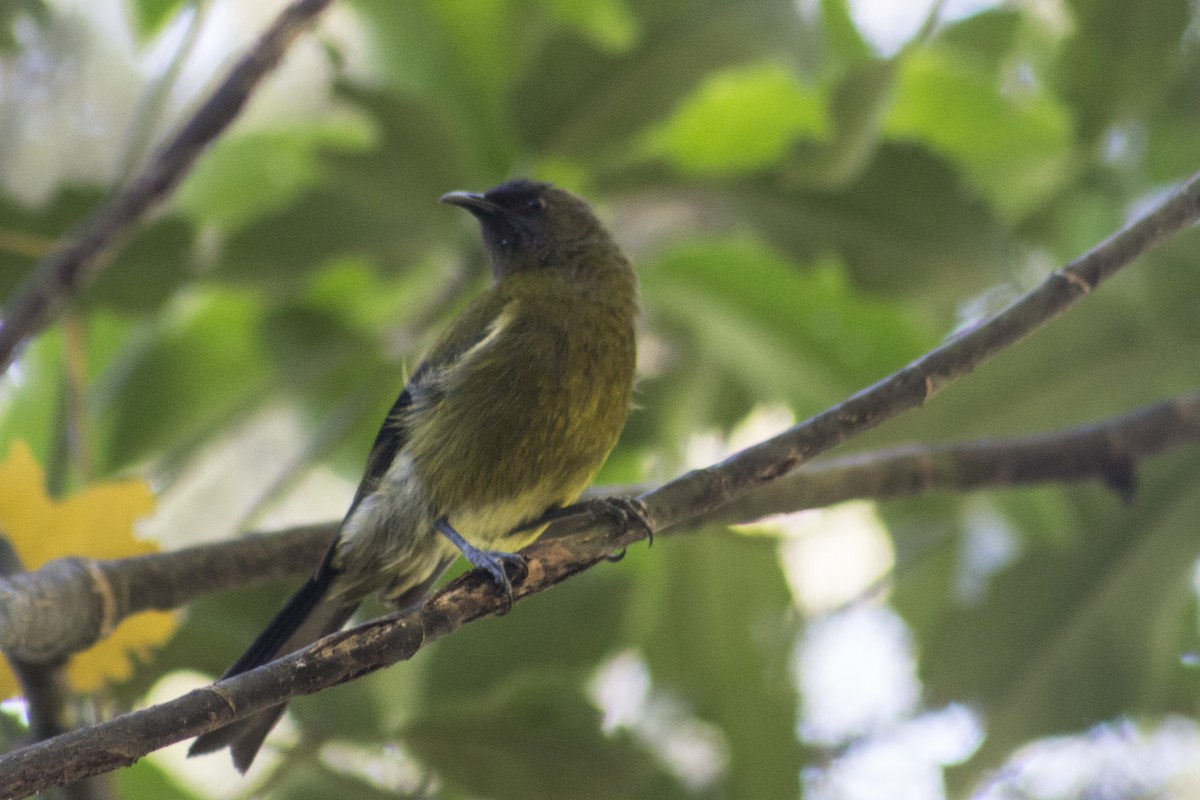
(498, 564)
(626, 512)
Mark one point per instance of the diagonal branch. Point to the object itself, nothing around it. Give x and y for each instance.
(68, 604)
(60, 274)
(348, 654)
(704, 490)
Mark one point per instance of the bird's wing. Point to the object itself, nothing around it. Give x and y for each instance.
(388, 442)
(423, 389)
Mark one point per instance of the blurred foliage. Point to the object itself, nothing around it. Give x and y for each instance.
(809, 210)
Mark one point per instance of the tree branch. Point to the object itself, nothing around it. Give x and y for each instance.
(47, 694)
(704, 490)
(349, 654)
(69, 604)
(1110, 450)
(333, 660)
(1102, 450)
(60, 274)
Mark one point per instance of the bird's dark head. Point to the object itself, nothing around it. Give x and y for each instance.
(528, 225)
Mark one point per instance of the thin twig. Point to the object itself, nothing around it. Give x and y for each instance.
(58, 276)
(1109, 450)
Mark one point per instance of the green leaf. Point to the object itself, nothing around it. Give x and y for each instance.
(717, 632)
(152, 14)
(353, 712)
(1081, 367)
(1176, 285)
(380, 205)
(459, 61)
(983, 40)
(841, 32)
(532, 737)
(206, 361)
(1074, 221)
(739, 120)
(31, 397)
(242, 178)
(858, 105)
(34, 392)
(908, 226)
(312, 779)
(1014, 144)
(11, 11)
(28, 234)
(750, 312)
(1079, 629)
(216, 630)
(592, 105)
(568, 630)
(1172, 148)
(147, 271)
(144, 272)
(1119, 58)
(610, 24)
(144, 780)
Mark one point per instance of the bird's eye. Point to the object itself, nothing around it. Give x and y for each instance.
(536, 204)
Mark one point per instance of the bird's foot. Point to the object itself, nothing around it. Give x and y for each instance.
(626, 512)
(496, 562)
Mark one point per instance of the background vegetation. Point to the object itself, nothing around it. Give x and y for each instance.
(814, 195)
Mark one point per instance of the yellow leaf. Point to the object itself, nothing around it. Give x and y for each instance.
(97, 522)
(109, 660)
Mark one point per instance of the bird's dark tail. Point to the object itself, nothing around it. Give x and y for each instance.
(305, 618)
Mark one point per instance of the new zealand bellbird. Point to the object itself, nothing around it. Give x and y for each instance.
(507, 419)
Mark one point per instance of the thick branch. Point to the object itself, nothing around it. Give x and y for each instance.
(47, 693)
(70, 603)
(59, 275)
(44, 685)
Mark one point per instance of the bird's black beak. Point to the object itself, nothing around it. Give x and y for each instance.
(477, 204)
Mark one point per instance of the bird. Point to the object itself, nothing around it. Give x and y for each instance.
(498, 430)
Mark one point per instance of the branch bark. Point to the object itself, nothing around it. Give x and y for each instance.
(60, 274)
